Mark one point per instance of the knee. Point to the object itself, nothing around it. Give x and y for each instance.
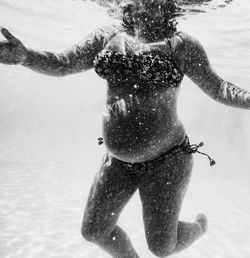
(93, 233)
(162, 249)
(90, 233)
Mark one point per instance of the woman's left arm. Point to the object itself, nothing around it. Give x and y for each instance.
(198, 68)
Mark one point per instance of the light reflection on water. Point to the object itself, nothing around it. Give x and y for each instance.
(49, 128)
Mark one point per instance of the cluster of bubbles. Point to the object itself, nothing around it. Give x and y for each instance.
(155, 19)
(195, 6)
(184, 6)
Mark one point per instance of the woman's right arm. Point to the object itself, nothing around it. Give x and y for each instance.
(76, 59)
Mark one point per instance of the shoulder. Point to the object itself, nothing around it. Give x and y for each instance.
(110, 29)
(189, 49)
(188, 43)
(188, 52)
(106, 33)
(183, 35)
(180, 46)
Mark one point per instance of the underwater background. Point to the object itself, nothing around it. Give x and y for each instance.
(49, 129)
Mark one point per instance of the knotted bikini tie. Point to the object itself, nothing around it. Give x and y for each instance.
(194, 148)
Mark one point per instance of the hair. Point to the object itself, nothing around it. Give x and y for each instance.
(155, 19)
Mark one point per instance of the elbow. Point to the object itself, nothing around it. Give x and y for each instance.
(63, 71)
(58, 72)
(48, 70)
(213, 94)
(218, 97)
(214, 91)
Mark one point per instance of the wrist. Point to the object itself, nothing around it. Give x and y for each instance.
(248, 101)
(24, 58)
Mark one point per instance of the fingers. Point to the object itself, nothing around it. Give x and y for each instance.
(9, 36)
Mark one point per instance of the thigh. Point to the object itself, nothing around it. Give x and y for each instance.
(110, 191)
(162, 195)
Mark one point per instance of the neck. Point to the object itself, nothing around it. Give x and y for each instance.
(147, 37)
(143, 35)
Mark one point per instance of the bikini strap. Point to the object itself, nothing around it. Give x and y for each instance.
(169, 44)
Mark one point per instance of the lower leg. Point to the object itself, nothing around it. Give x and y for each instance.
(188, 233)
(117, 244)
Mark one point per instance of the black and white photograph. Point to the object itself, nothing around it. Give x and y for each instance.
(124, 128)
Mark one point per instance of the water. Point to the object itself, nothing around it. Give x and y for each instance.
(49, 130)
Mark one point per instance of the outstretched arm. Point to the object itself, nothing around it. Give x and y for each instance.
(76, 59)
(198, 68)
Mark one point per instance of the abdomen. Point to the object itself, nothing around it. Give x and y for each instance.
(140, 127)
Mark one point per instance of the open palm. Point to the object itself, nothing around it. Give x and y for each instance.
(12, 50)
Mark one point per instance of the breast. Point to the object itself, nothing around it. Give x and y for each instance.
(152, 68)
(136, 128)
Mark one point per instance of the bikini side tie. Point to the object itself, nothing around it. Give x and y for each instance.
(194, 148)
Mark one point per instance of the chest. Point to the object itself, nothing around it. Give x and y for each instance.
(126, 59)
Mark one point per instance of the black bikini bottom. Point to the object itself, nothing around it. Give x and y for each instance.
(184, 146)
(143, 172)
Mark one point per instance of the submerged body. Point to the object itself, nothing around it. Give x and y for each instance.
(140, 119)
(146, 145)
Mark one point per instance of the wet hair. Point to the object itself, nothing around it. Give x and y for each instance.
(155, 19)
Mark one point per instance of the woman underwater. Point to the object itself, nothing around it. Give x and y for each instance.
(144, 61)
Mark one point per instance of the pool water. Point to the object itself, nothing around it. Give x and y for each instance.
(49, 129)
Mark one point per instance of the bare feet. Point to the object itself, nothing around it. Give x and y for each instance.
(201, 219)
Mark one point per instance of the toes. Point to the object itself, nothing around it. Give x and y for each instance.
(201, 219)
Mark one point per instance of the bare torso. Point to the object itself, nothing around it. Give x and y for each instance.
(140, 122)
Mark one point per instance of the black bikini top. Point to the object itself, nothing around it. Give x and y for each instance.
(139, 68)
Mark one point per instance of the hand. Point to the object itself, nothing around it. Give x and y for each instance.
(12, 50)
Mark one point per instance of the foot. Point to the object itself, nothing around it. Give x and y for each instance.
(201, 219)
